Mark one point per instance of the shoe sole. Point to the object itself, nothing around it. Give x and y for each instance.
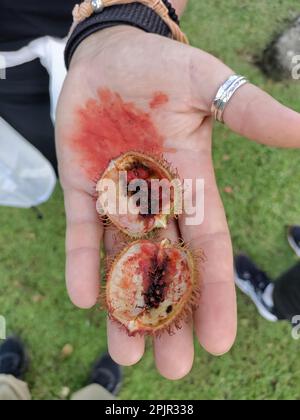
(294, 246)
(244, 287)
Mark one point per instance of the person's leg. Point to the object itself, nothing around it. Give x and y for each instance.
(93, 392)
(286, 294)
(12, 389)
(104, 382)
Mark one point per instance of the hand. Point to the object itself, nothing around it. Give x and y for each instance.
(127, 68)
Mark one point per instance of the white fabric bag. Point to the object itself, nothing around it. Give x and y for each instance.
(27, 179)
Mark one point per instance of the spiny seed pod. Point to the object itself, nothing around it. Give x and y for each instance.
(150, 189)
(152, 286)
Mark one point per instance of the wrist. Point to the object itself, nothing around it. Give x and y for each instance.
(179, 5)
(150, 16)
(93, 44)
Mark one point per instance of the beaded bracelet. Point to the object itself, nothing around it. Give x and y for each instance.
(89, 7)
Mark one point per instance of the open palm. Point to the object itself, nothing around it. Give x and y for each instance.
(168, 88)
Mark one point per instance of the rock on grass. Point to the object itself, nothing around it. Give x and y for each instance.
(279, 60)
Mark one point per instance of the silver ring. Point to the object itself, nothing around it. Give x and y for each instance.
(97, 5)
(225, 93)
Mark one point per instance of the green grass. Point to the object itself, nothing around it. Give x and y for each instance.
(264, 362)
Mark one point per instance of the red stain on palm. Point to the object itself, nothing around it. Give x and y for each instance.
(158, 100)
(108, 127)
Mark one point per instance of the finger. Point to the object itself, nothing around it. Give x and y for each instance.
(250, 112)
(215, 319)
(83, 238)
(124, 350)
(174, 354)
(257, 116)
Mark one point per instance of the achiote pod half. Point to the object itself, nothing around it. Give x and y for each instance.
(152, 286)
(151, 190)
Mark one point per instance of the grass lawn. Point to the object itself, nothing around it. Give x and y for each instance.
(265, 183)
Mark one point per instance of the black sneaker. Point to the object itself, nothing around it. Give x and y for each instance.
(108, 374)
(13, 358)
(294, 238)
(253, 282)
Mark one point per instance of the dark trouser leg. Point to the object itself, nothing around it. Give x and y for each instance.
(287, 294)
(25, 105)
